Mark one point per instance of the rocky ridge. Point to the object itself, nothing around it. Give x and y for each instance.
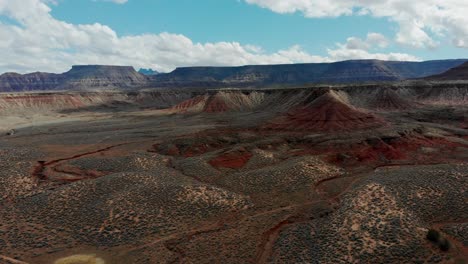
(125, 77)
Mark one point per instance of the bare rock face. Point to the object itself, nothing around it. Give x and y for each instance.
(29, 82)
(98, 76)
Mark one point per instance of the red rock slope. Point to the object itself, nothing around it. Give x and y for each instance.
(329, 112)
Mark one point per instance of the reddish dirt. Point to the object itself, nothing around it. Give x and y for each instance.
(173, 151)
(196, 150)
(268, 240)
(233, 160)
(326, 113)
(375, 152)
(216, 104)
(38, 171)
(46, 170)
(185, 105)
(78, 172)
(406, 149)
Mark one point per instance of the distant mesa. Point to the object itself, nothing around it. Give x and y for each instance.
(343, 72)
(329, 112)
(78, 78)
(100, 76)
(10, 82)
(125, 77)
(456, 73)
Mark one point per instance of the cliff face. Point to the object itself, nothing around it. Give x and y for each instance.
(78, 78)
(98, 76)
(356, 71)
(29, 82)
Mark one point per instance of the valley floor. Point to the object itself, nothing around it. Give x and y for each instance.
(213, 179)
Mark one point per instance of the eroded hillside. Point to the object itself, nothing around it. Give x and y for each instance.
(308, 175)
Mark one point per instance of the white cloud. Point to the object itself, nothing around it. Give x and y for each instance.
(37, 41)
(357, 48)
(377, 39)
(373, 39)
(420, 21)
(342, 53)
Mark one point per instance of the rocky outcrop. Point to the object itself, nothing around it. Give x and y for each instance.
(330, 112)
(98, 76)
(30, 82)
(78, 78)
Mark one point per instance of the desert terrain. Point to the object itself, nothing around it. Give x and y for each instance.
(312, 174)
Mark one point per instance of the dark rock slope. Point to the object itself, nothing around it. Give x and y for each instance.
(79, 77)
(457, 73)
(103, 77)
(29, 82)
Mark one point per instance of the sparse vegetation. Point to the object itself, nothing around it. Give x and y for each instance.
(444, 244)
(433, 235)
(437, 239)
(173, 185)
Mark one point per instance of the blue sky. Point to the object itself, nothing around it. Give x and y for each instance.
(219, 20)
(233, 20)
(228, 32)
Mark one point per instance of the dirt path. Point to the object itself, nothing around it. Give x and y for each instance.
(269, 237)
(39, 171)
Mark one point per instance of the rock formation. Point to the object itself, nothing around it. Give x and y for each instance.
(78, 78)
(329, 112)
(456, 73)
(124, 77)
(355, 71)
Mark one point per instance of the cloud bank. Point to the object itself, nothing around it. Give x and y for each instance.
(34, 40)
(421, 22)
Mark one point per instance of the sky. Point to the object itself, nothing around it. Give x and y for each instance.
(53, 35)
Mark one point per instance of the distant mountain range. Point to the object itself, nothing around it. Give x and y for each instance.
(124, 77)
(457, 73)
(79, 77)
(354, 71)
